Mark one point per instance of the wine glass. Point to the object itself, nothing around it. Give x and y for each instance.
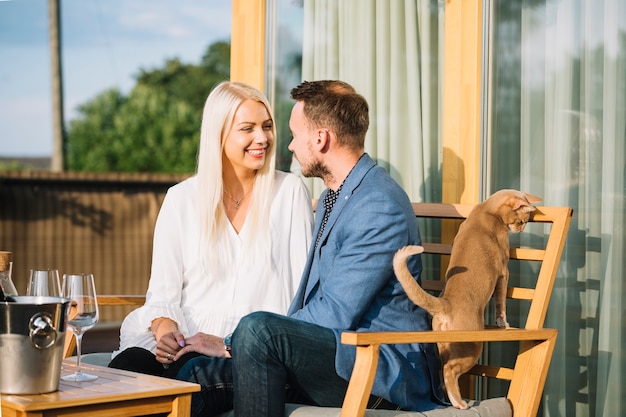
(83, 315)
(44, 282)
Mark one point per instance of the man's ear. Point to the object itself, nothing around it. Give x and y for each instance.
(322, 142)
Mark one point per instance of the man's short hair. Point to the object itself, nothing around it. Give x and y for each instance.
(335, 105)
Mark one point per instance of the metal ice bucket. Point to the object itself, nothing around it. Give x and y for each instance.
(32, 335)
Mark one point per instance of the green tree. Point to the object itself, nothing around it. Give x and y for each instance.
(156, 128)
(190, 83)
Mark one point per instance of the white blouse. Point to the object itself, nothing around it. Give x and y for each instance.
(180, 288)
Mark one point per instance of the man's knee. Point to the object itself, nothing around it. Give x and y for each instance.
(257, 331)
(254, 326)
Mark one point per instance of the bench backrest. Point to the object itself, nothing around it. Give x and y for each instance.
(547, 256)
(545, 252)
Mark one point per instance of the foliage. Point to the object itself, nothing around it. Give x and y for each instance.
(156, 128)
(12, 166)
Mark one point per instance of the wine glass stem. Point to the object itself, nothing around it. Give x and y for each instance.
(79, 341)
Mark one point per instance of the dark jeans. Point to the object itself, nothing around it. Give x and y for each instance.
(138, 359)
(273, 352)
(276, 360)
(215, 376)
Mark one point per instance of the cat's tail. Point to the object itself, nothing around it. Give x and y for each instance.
(413, 290)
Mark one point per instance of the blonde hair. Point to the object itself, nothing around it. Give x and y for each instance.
(217, 120)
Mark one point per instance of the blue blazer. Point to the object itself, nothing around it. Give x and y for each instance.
(349, 284)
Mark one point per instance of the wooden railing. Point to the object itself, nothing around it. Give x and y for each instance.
(83, 222)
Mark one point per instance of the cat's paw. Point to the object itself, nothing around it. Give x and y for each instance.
(501, 322)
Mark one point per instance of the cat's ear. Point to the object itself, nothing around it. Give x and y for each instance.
(533, 199)
(523, 204)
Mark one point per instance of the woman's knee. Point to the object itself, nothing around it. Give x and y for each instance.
(138, 360)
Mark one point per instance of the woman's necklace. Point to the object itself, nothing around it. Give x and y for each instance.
(237, 202)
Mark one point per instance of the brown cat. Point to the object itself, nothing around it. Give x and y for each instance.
(478, 269)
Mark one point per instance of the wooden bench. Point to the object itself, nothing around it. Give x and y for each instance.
(107, 301)
(535, 343)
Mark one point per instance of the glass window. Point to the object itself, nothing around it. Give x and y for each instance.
(390, 52)
(557, 129)
(284, 67)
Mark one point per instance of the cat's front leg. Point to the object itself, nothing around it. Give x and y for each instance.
(500, 296)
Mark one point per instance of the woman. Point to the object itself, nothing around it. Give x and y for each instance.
(228, 241)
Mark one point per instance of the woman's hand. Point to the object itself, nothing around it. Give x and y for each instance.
(169, 339)
(168, 346)
(205, 344)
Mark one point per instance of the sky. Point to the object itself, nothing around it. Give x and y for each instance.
(104, 44)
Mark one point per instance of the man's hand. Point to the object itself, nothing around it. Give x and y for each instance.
(204, 344)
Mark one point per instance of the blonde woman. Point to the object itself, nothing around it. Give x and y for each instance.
(228, 241)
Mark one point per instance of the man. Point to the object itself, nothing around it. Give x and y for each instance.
(348, 284)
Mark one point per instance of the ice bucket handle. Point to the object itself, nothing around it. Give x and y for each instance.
(42, 332)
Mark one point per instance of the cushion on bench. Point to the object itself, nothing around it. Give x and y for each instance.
(97, 358)
(493, 407)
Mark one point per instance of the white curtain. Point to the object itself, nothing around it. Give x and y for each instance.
(559, 125)
(389, 51)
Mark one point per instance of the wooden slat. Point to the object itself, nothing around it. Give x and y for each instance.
(547, 214)
(437, 248)
(442, 211)
(527, 254)
(103, 300)
(450, 336)
(519, 293)
(498, 372)
(516, 253)
(121, 300)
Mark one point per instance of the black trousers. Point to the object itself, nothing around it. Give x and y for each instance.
(140, 360)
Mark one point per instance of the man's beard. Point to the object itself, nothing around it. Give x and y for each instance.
(316, 169)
